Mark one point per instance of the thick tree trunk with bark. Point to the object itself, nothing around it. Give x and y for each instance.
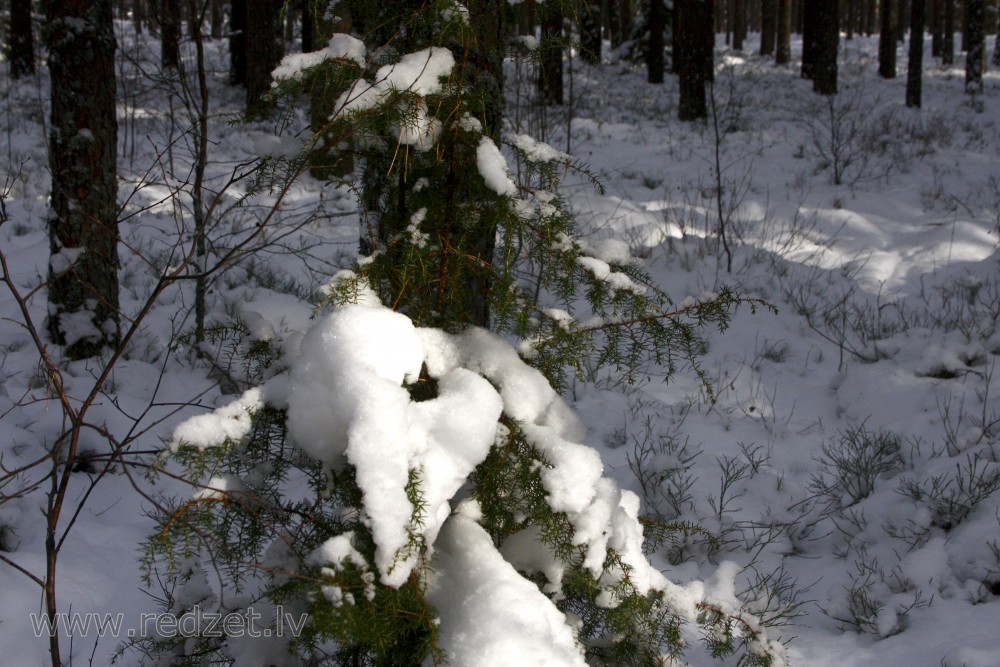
(827, 24)
(739, 22)
(264, 48)
(887, 40)
(654, 51)
(22, 42)
(693, 53)
(83, 228)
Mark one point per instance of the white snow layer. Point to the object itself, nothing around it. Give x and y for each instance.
(490, 615)
(347, 404)
(418, 73)
(340, 47)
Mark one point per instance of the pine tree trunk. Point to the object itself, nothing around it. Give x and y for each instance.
(915, 65)
(694, 20)
(22, 41)
(170, 33)
(83, 294)
(550, 70)
(768, 23)
(996, 44)
(238, 43)
(264, 47)
(215, 11)
(827, 25)
(810, 14)
(948, 46)
(654, 51)
(975, 16)
(783, 36)
(937, 28)
(887, 40)
(738, 21)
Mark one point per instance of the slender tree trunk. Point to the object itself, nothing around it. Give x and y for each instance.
(852, 15)
(783, 42)
(768, 25)
(22, 41)
(139, 15)
(915, 64)
(654, 52)
(827, 23)
(948, 46)
(887, 40)
(996, 44)
(83, 229)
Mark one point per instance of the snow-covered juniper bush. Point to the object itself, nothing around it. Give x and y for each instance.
(409, 474)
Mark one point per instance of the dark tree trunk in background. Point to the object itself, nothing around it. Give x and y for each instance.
(654, 51)
(887, 40)
(693, 55)
(739, 23)
(948, 45)
(915, 64)
(852, 17)
(996, 45)
(783, 37)
(238, 43)
(975, 59)
(215, 13)
(310, 22)
(264, 47)
(83, 229)
(827, 23)
(550, 69)
(937, 28)
(810, 14)
(768, 24)
(590, 31)
(170, 33)
(22, 42)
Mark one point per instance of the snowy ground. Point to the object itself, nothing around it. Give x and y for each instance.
(848, 471)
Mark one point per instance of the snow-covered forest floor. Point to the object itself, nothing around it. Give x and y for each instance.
(844, 484)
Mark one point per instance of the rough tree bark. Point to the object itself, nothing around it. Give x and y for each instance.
(693, 52)
(83, 228)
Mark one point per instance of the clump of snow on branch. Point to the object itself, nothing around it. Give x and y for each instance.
(347, 403)
(340, 47)
(493, 168)
(419, 73)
